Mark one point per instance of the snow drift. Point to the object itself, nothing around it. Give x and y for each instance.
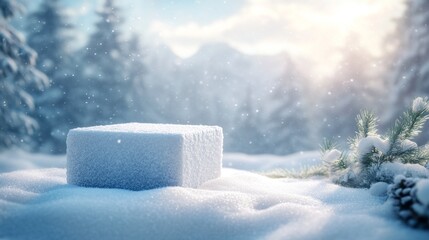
(39, 204)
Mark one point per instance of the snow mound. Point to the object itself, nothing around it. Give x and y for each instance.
(389, 171)
(331, 155)
(379, 189)
(366, 144)
(408, 144)
(37, 204)
(422, 192)
(419, 104)
(140, 156)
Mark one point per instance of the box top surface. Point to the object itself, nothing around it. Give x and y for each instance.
(149, 128)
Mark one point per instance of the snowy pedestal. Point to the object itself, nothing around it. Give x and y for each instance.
(140, 156)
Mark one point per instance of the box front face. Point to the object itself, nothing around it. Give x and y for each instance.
(128, 161)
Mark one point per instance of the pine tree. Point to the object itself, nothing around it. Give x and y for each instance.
(287, 128)
(104, 83)
(411, 73)
(17, 74)
(247, 136)
(47, 33)
(137, 99)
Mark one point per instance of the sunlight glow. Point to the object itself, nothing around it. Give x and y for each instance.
(308, 32)
(347, 16)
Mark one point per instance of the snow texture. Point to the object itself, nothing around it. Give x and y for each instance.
(419, 104)
(398, 178)
(39, 204)
(140, 156)
(379, 189)
(423, 192)
(408, 145)
(390, 170)
(331, 155)
(293, 162)
(366, 144)
(36, 204)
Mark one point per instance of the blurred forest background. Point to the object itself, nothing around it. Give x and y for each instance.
(265, 103)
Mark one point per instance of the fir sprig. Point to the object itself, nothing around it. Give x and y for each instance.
(416, 156)
(327, 145)
(341, 163)
(333, 165)
(369, 151)
(410, 124)
(366, 124)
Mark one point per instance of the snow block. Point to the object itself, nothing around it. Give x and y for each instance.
(140, 156)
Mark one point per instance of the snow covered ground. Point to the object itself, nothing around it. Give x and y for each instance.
(37, 203)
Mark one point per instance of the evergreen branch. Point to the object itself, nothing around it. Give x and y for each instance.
(327, 145)
(414, 123)
(405, 156)
(369, 152)
(368, 159)
(394, 134)
(416, 156)
(408, 126)
(342, 162)
(366, 124)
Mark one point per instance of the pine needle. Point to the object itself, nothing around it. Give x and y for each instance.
(366, 124)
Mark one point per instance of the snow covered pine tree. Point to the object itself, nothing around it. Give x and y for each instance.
(137, 98)
(47, 34)
(17, 74)
(287, 123)
(105, 84)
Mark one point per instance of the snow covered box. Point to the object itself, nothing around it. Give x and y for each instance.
(141, 156)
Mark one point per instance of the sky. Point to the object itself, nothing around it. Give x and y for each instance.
(311, 30)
